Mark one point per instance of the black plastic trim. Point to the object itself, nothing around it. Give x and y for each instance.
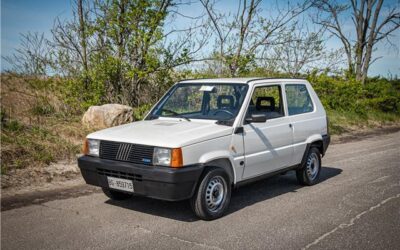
(264, 176)
(326, 140)
(239, 130)
(164, 183)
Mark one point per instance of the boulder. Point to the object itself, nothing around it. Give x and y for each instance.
(108, 115)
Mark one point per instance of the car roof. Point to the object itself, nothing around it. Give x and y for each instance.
(241, 80)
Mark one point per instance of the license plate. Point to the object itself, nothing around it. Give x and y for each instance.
(120, 184)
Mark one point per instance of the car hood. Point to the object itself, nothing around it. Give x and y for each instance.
(170, 133)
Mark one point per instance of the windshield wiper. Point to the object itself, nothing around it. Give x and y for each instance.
(177, 114)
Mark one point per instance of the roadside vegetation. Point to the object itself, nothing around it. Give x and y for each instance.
(131, 52)
(36, 129)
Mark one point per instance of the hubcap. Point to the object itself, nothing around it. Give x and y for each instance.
(312, 166)
(215, 193)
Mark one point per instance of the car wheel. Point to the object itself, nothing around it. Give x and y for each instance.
(212, 196)
(115, 195)
(309, 173)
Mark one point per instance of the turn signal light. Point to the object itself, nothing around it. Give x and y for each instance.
(176, 158)
(85, 147)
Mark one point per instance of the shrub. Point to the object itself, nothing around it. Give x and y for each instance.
(351, 96)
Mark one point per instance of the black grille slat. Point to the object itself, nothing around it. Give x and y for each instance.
(119, 174)
(127, 152)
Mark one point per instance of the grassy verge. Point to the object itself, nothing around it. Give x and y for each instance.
(344, 122)
(38, 145)
(35, 129)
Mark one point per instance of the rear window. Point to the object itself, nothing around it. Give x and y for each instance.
(298, 99)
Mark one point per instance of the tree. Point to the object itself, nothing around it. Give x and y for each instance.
(371, 26)
(136, 49)
(32, 57)
(301, 49)
(71, 44)
(240, 36)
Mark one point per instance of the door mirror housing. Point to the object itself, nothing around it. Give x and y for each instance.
(256, 118)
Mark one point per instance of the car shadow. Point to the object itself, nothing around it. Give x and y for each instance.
(241, 198)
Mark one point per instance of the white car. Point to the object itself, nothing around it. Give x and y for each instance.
(207, 136)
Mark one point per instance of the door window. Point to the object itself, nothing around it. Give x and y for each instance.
(298, 99)
(266, 100)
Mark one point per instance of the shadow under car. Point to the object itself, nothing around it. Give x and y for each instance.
(241, 198)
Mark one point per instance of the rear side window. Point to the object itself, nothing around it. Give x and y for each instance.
(298, 99)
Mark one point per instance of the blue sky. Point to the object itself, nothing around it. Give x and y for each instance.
(18, 16)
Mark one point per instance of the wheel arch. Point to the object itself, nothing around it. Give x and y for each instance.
(224, 163)
(317, 143)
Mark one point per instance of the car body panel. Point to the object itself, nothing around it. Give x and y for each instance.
(164, 132)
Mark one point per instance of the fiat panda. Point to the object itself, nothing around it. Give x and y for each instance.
(205, 137)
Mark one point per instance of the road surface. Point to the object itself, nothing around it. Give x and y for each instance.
(355, 206)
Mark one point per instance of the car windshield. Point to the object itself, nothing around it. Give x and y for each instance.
(202, 101)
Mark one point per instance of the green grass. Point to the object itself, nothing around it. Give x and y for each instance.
(24, 146)
(347, 121)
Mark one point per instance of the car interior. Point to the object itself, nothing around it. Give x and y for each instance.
(266, 105)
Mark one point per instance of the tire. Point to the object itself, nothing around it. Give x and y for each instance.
(309, 173)
(115, 195)
(213, 195)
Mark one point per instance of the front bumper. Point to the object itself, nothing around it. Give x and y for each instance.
(152, 181)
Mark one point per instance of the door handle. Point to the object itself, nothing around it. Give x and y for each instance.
(290, 125)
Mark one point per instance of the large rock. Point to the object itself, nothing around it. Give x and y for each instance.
(108, 115)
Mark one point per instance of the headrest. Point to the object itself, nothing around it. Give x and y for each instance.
(265, 103)
(225, 101)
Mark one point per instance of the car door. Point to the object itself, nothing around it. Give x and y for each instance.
(268, 145)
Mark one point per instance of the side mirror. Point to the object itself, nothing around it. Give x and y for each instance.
(256, 118)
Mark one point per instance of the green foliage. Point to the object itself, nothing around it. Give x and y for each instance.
(352, 104)
(140, 112)
(349, 95)
(13, 126)
(80, 93)
(42, 107)
(24, 145)
(133, 53)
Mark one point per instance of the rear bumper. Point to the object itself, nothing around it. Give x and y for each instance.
(326, 139)
(156, 182)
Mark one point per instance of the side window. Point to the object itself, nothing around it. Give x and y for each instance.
(298, 99)
(267, 100)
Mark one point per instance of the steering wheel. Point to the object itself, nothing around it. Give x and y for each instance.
(223, 111)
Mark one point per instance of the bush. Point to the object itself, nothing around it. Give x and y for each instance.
(351, 96)
(140, 112)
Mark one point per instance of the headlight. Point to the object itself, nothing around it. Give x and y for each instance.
(162, 156)
(91, 147)
(168, 157)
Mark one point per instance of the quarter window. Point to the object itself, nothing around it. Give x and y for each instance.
(298, 99)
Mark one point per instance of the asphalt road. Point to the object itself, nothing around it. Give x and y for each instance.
(356, 206)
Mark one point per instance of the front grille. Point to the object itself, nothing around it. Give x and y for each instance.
(128, 152)
(119, 174)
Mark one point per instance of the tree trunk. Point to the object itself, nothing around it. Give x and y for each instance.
(82, 31)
